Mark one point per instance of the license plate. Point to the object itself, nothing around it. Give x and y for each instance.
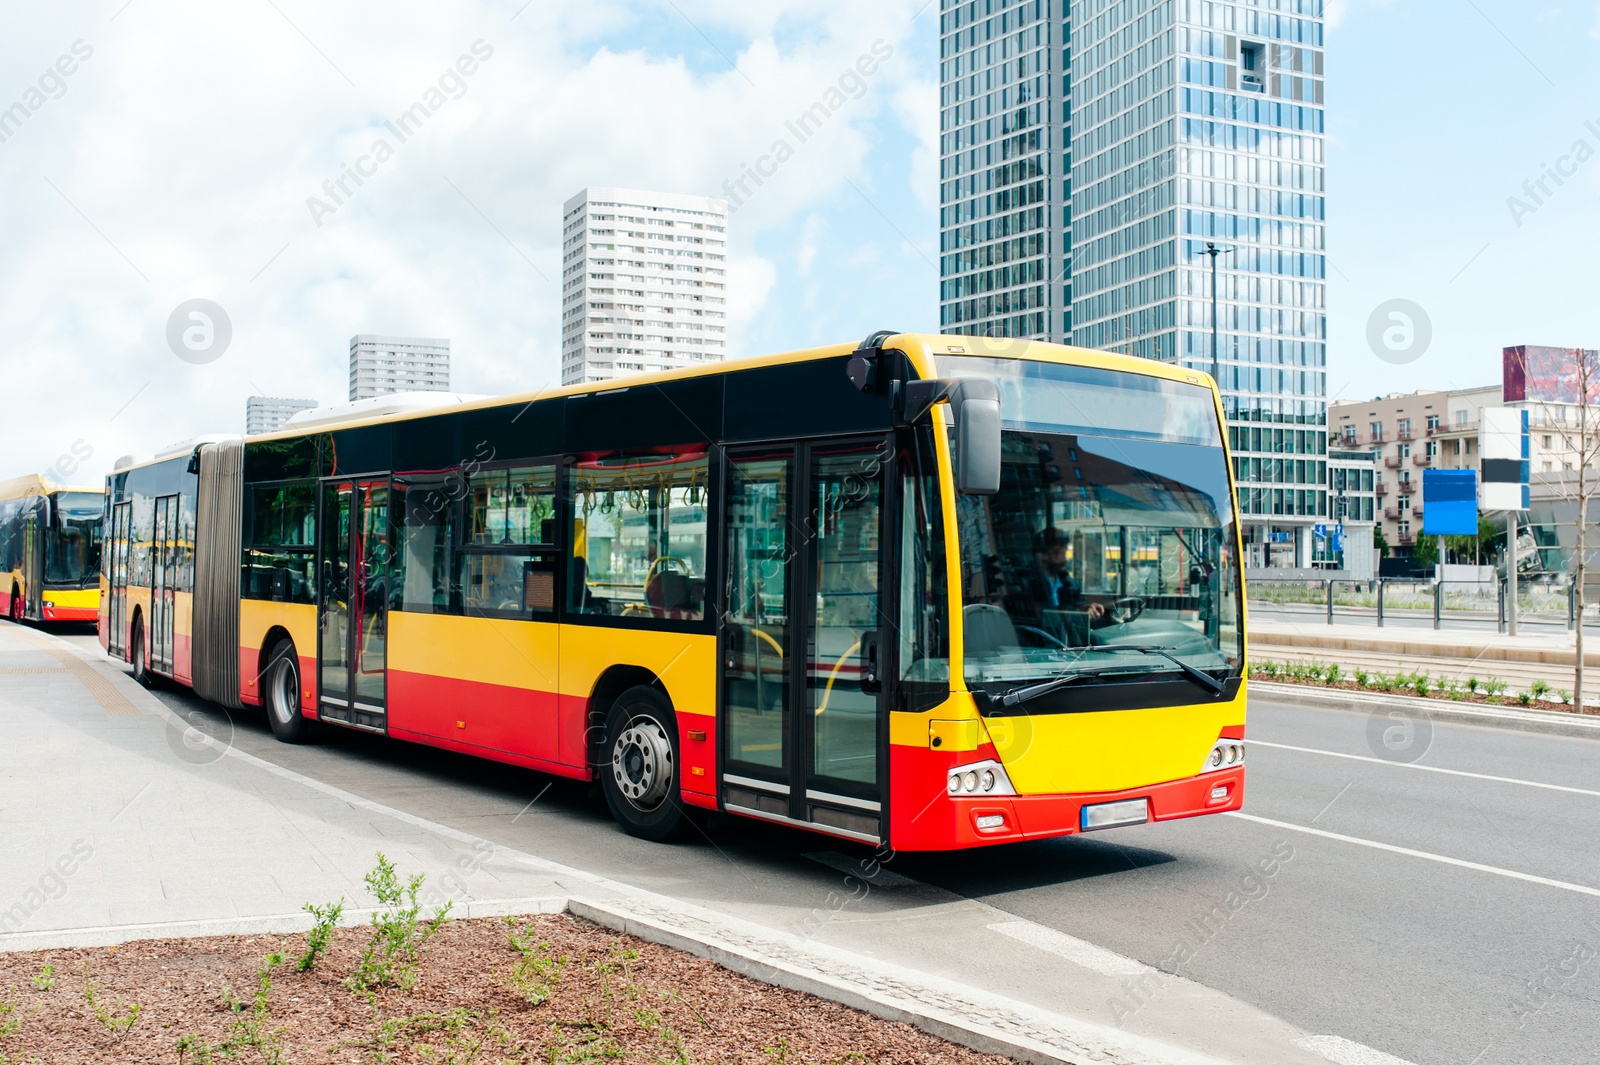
(1113, 814)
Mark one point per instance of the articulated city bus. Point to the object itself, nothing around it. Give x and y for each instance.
(925, 592)
(50, 550)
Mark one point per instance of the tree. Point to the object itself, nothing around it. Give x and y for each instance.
(1579, 372)
(1379, 541)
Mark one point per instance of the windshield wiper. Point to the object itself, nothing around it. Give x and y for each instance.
(1017, 696)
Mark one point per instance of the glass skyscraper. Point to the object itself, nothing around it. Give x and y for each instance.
(1184, 123)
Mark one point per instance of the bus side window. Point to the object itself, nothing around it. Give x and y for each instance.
(428, 512)
(639, 534)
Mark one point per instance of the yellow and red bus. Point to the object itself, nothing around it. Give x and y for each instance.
(50, 549)
(924, 592)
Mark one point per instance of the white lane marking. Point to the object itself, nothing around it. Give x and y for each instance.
(1343, 1052)
(1424, 768)
(1581, 889)
(1078, 951)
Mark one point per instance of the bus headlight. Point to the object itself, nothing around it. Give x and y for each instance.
(1225, 754)
(980, 778)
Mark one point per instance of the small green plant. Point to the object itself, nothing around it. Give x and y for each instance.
(1332, 674)
(1563, 695)
(1493, 687)
(1472, 684)
(249, 1031)
(1362, 677)
(1420, 683)
(117, 1017)
(534, 973)
(9, 1021)
(391, 956)
(46, 978)
(323, 920)
(390, 1031)
(1524, 698)
(1539, 688)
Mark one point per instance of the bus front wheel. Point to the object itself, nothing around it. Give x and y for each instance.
(141, 666)
(639, 770)
(282, 688)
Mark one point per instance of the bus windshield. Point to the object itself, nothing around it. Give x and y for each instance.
(72, 550)
(1109, 549)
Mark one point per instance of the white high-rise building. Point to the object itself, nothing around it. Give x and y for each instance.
(644, 283)
(381, 365)
(266, 414)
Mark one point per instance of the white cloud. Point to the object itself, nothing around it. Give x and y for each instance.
(192, 139)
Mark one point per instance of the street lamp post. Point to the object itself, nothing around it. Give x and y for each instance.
(1213, 249)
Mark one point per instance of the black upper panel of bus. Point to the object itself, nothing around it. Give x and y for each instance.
(786, 401)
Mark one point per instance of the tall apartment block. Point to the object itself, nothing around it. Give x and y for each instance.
(267, 414)
(644, 283)
(381, 365)
(1189, 125)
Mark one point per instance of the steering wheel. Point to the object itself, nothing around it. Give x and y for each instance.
(665, 562)
(1126, 609)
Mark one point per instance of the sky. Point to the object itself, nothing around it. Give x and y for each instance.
(178, 150)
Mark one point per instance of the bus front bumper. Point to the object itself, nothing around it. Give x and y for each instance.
(956, 823)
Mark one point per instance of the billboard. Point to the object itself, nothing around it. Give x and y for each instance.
(1545, 374)
(1449, 502)
(1502, 459)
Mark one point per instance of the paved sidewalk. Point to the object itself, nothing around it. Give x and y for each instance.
(124, 822)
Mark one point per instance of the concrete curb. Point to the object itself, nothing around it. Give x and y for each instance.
(1547, 722)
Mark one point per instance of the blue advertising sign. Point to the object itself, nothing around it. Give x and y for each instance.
(1449, 502)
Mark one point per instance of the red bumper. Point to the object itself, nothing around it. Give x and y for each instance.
(70, 613)
(951, 823)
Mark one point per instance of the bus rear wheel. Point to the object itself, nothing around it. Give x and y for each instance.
(281, 686)
(639, 768)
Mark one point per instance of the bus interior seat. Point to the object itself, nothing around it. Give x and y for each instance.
(989, 630)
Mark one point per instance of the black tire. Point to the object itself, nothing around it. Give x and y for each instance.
(136, 654)
(280, 695)
(640, 769)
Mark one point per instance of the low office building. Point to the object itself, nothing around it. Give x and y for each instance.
(267, 414)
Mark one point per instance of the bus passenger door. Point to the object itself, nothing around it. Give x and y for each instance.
(117, 542)
(163, 580)
(803, 637)
(352, 602)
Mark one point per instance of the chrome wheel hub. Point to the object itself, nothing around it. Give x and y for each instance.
(285, 688)
(641, 763)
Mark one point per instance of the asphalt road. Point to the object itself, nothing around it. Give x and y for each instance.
(1491, 955)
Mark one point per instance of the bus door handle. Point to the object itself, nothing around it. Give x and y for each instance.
(870, 681)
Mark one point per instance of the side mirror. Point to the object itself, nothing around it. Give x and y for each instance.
(975, 403)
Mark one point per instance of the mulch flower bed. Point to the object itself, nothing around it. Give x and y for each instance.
(1457, 695)
(549, 989)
